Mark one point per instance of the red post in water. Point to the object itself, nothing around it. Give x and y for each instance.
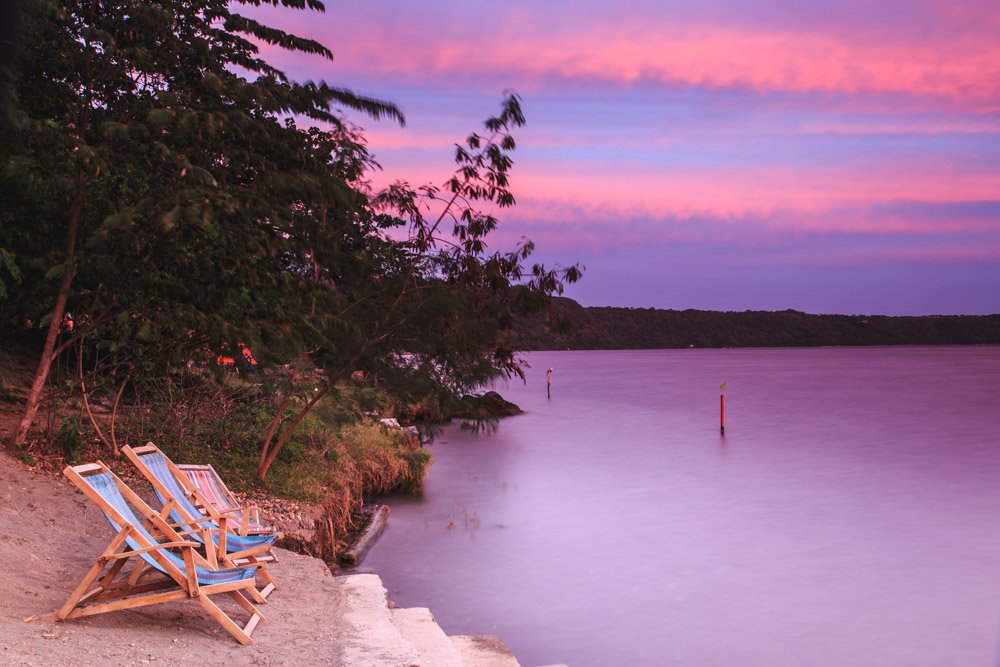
(722, 417)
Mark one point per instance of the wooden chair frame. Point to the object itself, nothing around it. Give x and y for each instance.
(184, 511)
(155, 576)
(222, 500)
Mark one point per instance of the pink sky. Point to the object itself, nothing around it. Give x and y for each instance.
(668, 143)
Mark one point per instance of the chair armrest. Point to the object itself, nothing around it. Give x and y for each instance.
(231, 510)
(164, 545)
(243, 509)
(191, 523)
(196, 530)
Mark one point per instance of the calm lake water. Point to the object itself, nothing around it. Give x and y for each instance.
(849, 516)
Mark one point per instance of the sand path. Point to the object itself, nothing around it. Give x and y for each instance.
(50, 535)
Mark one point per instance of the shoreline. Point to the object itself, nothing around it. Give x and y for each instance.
(50, 535)
(760, 347)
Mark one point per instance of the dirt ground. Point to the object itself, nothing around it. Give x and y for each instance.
(50, 534)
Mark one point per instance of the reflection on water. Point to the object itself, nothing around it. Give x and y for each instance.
(848, 516)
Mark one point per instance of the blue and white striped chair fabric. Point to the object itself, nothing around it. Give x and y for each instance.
(157, 463)
(105, 485)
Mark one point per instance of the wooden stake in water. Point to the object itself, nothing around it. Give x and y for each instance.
(722, 407)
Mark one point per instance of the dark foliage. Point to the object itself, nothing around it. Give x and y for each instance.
(571, 326)
(161, 185)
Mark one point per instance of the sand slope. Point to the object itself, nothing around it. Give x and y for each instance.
(50, 534)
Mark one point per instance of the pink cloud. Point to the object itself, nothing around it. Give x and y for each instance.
(744, 201)
(583, 235)
(734, 191)
(951, 52)
(941, 56)
(706, 56)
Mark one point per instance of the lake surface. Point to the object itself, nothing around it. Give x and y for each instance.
(850, 515)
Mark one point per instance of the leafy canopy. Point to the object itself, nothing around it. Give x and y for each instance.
(161, 185)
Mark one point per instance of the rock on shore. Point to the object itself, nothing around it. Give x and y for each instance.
(490, 404)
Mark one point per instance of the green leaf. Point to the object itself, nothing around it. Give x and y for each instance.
(115, 131)
(117, 220)
(170, 218)
(161, 116)
(56, 272)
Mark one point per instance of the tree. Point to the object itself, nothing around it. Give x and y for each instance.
(438, 295)
(154, 163)
(196, 212)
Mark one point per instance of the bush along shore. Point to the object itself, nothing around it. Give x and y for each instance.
(356, 443)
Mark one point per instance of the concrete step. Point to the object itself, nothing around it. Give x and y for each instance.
(418, 627)
(387, 636)
(373, 640)
(484, 651)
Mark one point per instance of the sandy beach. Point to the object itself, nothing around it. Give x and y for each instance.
(50, 535)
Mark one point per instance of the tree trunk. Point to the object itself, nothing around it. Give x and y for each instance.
(265, 464)
(83, 392)
(58, 309)
(45, 363)
(264, 461)
(114, 412)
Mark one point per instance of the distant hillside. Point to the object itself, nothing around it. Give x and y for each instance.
(571, 326)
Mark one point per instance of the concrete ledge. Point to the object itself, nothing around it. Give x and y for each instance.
(418, 627)
(375, 640)
(484, 651)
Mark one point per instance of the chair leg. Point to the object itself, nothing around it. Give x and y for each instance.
(79, 591)
(112, 573)
(257, 596)
(104, 584)
(270, 585)
(94, 572)
(226, 622)
(243, 602)
(137, 571)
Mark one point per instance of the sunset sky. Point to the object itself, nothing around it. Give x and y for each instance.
(830, 157)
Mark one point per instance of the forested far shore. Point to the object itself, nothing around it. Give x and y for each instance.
(572, 326)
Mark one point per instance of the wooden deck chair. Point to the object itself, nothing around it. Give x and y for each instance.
(243, 520)
(179, 496)
(164, 569)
